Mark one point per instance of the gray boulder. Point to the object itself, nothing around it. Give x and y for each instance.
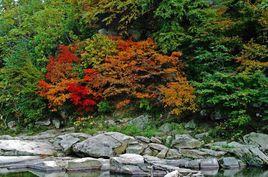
(140, 122)
(87, 164)
(209, 164)
(185, 141)
(103, 145)
(258, 139)
(229, 162)
(131, 164)
(25, 148)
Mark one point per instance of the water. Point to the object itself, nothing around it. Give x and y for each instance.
(248, 172)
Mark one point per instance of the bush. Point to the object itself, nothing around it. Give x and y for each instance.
(18, 80)
(234, 97)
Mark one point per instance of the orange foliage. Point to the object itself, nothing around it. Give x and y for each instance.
(64, 84)
(138, 71)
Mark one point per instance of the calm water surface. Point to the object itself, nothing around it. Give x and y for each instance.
(248, 172)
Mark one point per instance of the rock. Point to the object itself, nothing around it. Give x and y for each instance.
(213, 153)
(43, 122)
(162, 154)
(142, 139)
(173, 154)
(6, 160)
(172, 174)
(25, 148)
(186, 141)
(201, 153)
(258, 139)
(251, 154)
(47, 166)
(140, 122)
(190, 125)
(84, 164)
(158, 147)
(148, 151)
(209, 164)
(56, 123)
(103, 145)
(201, 136)
(168, 140)
(66, 142)
(166, 128)
(156, 140)
(135, 149)
(229, 162)
(128, 164)
(193, 153)
(12, 125)
(194, 164)
(257, 152)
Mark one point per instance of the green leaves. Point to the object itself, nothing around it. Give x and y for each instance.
(237, 92)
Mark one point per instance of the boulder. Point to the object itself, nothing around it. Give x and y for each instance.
(156, 140)
(56, 123)
(229, 162)
(25, 148)
(158, 147)
(173, 154)
(209, 164)
(66, 141)
(166, 128)
(131, 164)
(135, 148)
(103, 145)
(140, 122)
(201, 136)
(193, 153)
(85, 164)
(142, 139)
(258, 139)
(6, 160)
(173, 174)
(185, 141)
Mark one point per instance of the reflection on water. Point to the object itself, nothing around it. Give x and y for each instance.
(248, 172)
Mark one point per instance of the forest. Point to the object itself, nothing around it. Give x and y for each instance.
(80, 61)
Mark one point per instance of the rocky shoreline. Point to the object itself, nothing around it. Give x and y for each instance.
(64, 150)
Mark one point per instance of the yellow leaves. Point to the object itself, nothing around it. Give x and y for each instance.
(178, 95)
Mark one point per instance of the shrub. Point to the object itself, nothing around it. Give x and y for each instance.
(137, 72)
(96, 49)
(18, 80)
(63, 83)
(234, 97)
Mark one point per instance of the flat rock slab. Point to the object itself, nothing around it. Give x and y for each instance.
(6, 160)
(25, 148)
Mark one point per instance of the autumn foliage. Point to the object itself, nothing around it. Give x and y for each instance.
(135, 72)
(63, 84)
(138, 72)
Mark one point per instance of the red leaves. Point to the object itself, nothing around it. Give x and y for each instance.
(61, 67)
(63, 84)
(80, 96)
